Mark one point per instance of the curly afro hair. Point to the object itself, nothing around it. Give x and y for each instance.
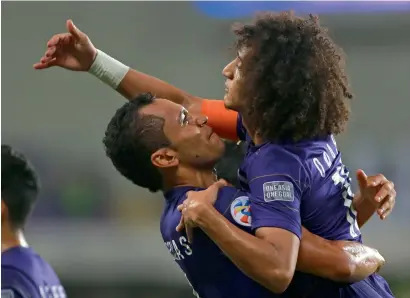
(296, 86)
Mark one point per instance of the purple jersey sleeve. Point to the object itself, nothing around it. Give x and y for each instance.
(276, 182)
(240, 129)
(16, 284)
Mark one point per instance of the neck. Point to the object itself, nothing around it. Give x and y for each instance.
(10, 238)
(252, 132)
(190, 177)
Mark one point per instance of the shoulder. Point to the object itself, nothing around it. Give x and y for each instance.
(16, 283)
(226, 196)
(234, 205)
(275, 160)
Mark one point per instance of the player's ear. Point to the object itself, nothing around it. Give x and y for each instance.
(164, 158)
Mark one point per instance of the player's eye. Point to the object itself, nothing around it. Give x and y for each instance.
(184, 118)
(239, 63)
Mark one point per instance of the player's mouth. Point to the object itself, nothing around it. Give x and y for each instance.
(210, 133)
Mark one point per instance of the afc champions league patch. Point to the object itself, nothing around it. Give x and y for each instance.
(278, 191)
(241, 211)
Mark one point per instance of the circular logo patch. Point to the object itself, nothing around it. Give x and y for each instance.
(241, 211)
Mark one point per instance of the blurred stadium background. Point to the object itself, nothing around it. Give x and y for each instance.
(99, 231)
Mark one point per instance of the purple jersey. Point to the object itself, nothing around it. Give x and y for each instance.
(24, 274)
(210, 273)
(303, 183)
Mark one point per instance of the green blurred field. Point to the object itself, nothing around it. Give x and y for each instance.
(400, 286)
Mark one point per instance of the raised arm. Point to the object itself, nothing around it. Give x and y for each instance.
(130, 82)
(74, 51)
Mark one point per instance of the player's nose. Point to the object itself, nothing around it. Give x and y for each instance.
(201, 120)
(228, 70)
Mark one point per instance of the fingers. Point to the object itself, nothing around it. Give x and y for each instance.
(50, 51)
(386, 190)
(376, 180)
(217, 185)
(387, 196)
(74, 30)
(181, 225)
(184, 224)
(62, 38)
(189, 233)
(45, 64)
(361, 178)
(50, 56)
(386, 207)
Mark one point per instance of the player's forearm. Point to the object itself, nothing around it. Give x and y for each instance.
(264, 265)
(341, 261)
(136, 82)
(319, 257)
(129, 82)
(364, 209)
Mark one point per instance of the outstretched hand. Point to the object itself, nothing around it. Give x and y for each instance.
(72, 50)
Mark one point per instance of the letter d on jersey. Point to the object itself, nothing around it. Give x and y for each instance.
(278, 191)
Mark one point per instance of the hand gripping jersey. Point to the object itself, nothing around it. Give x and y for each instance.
(24, 274)
(210, 273)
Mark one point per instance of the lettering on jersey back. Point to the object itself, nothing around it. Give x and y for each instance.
(278, 191)
(179, 249)
(341, 178)
(52, 291)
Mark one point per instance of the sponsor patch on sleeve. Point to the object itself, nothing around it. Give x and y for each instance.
(278, 191)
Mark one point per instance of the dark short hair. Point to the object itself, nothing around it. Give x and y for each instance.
(227, 167)
(130, 140)
(295, 85)
(19, 185)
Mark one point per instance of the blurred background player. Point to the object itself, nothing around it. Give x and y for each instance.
(24, 274)
(176, 153)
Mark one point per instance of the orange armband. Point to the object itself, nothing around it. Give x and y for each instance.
(223, 121)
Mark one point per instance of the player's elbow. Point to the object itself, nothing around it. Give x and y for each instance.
(357, 268)
(279, 279)
(344, 272)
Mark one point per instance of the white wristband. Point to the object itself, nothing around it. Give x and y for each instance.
(108, 70)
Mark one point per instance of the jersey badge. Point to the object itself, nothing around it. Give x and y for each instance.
(241, 211)
(278, 191)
